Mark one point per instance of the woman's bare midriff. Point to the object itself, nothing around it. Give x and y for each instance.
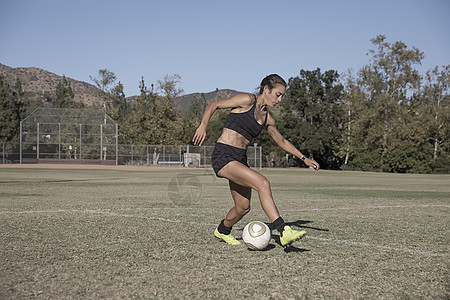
(232, 138)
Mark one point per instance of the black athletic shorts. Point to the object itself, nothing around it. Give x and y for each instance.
(223, 154)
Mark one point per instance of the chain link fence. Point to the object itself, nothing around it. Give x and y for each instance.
(133, 155)
(177, 155)
(90, 136)
(66, 134)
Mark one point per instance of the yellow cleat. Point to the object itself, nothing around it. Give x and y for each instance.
(289, 235)
(227, 238)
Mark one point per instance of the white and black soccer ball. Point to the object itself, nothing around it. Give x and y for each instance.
(256, 235)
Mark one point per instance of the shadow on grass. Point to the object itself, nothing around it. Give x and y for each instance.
(298, 224)
(301, 224)
(288, 248)
(291, 248)
(268, 248)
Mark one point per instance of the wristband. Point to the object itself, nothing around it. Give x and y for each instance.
(303, 158)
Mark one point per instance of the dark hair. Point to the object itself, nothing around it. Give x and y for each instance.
(271, 81)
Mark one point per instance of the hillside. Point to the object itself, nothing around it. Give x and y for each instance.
(186, 100)
(40, 85)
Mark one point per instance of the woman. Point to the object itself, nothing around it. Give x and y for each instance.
(248, 116)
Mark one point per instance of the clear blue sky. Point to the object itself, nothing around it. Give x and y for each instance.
(213, 44)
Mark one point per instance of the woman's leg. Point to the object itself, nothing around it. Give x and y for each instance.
(241, 196)
(243, 176)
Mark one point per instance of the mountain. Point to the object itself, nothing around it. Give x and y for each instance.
(186, 100)
(40, 85)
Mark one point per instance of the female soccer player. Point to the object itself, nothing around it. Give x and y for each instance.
(248, 116)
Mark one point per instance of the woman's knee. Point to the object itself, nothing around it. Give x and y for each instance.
(263, 184)
(243, 209)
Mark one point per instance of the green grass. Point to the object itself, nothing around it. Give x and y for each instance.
(148, 234)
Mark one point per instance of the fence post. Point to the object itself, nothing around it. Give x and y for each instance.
(204, 155)
(260, 157)
(3, 152)
(181, 155)
(101, 141)
(164, 152)
(256, 148)
(117, 145)
(80, 141)
(37, 141)
(20, 150)
(59, 140)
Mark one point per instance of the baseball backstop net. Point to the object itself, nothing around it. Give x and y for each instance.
(90, 136)
(68, 134)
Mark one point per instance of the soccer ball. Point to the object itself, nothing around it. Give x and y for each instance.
(256, 235)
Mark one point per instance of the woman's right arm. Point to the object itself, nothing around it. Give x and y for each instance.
(200, 133)
(240, 100)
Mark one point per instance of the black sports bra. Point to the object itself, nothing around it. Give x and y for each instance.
(245, 123)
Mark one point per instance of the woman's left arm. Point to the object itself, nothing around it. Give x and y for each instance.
(286, 145)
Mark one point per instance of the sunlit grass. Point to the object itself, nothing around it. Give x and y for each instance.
(118, 234)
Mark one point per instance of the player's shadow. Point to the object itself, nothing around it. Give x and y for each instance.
(299, 224)
(268, 247)
(288, 248)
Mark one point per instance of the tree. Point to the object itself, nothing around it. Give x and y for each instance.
(170, 86)
(432, 110)
(105, 83)
(19, 93)
(154, 119)
(312, 115)
(117, 107)
(198, 105)
(9, 115)
(351, 102)
(21, 103)
(115, 102)
(105, 80)
(65, 96)
(388, 83)
(191, 118)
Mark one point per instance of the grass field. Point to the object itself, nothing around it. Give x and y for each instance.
(85, 234)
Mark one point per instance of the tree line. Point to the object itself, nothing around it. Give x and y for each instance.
(386, 117)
